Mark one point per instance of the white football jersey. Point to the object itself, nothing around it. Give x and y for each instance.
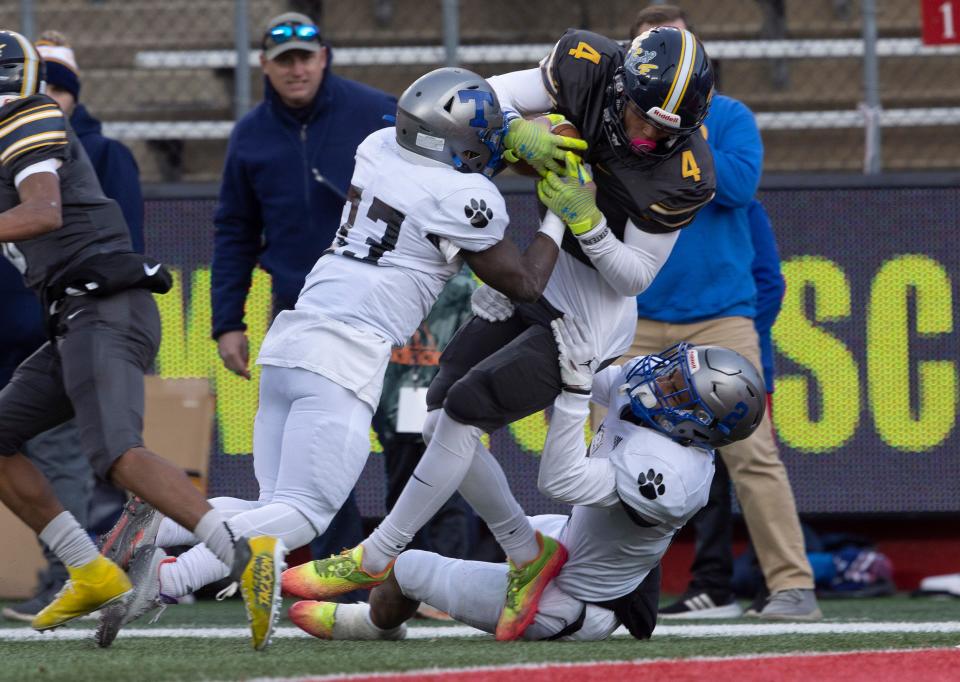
(582, 292)
(660, 485)
(403, 227)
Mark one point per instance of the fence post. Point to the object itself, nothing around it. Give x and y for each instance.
(241, 74)
(873, 143)
(451, 30)
(26, 19)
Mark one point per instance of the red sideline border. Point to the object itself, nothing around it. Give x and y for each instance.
(929, 665)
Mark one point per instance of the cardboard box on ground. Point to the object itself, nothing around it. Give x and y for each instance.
(178, 425)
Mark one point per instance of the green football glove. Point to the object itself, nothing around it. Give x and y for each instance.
(571, 196)
(533, 142)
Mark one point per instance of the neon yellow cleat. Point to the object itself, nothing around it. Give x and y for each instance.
(525, 587)
(90, 587)
(315, 617)
(333, 576)
(328, 620)
(257, 567)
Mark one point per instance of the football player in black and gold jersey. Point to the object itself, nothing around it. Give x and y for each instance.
(636, 108)
(72, 247)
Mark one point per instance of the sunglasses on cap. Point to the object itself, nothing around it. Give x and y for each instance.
(291, 30)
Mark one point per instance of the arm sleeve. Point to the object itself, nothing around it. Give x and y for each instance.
(522, 92)
(604, 383)
(567, 474)
(121, 182)
(628, 266)
(737, 157)
(236, 245)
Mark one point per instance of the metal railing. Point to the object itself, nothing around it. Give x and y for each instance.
(180, 71)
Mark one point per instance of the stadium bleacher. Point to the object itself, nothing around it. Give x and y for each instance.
(162, 77)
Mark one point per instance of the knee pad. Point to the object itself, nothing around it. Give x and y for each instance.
(469, 401)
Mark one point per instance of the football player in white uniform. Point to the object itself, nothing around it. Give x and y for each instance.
(638, 109)
(420, 205)
(647, 472)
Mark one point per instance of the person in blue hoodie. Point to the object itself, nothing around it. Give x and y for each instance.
(706, 294)
(93, 503)
(285, 179)
(712, 572)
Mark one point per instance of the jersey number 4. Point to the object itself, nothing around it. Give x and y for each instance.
(585, 51)
(688, 166)
(377, 212)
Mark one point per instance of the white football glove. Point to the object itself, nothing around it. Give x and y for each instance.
(490, 305)
(578, 362)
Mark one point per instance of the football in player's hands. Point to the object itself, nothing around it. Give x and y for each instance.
(558, 125)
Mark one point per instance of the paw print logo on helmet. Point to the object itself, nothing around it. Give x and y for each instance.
(478, 213)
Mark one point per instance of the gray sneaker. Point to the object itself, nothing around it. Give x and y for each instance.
(144, 573)
(137, 527)
(793, 604)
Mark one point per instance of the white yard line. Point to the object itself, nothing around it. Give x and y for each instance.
(426, 632)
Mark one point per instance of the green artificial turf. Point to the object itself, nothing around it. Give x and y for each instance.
(190, 659)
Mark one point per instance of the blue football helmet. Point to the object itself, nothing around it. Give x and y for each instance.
(708, 396)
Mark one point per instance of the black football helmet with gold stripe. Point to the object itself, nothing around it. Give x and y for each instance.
(667, 79)
(21, 69)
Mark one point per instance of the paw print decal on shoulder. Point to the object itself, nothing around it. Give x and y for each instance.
(651, 484)
(477, 213)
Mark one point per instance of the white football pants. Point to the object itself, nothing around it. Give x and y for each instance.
(473, 592)
(311, 440)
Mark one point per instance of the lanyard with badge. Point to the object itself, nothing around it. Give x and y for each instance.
(412, 400)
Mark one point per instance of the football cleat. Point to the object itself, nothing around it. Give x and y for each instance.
(257, 566)
(90, 587)
(328, 620)
(144, 573)
(333, 576)
(314, 617)
(525, 587)
(137, 527)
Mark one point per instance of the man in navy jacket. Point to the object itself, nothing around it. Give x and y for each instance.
(287, 172)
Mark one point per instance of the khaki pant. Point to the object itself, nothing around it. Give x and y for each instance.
(758, 474)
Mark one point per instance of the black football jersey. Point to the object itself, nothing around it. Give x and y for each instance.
(661, 199)
(34, 129)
